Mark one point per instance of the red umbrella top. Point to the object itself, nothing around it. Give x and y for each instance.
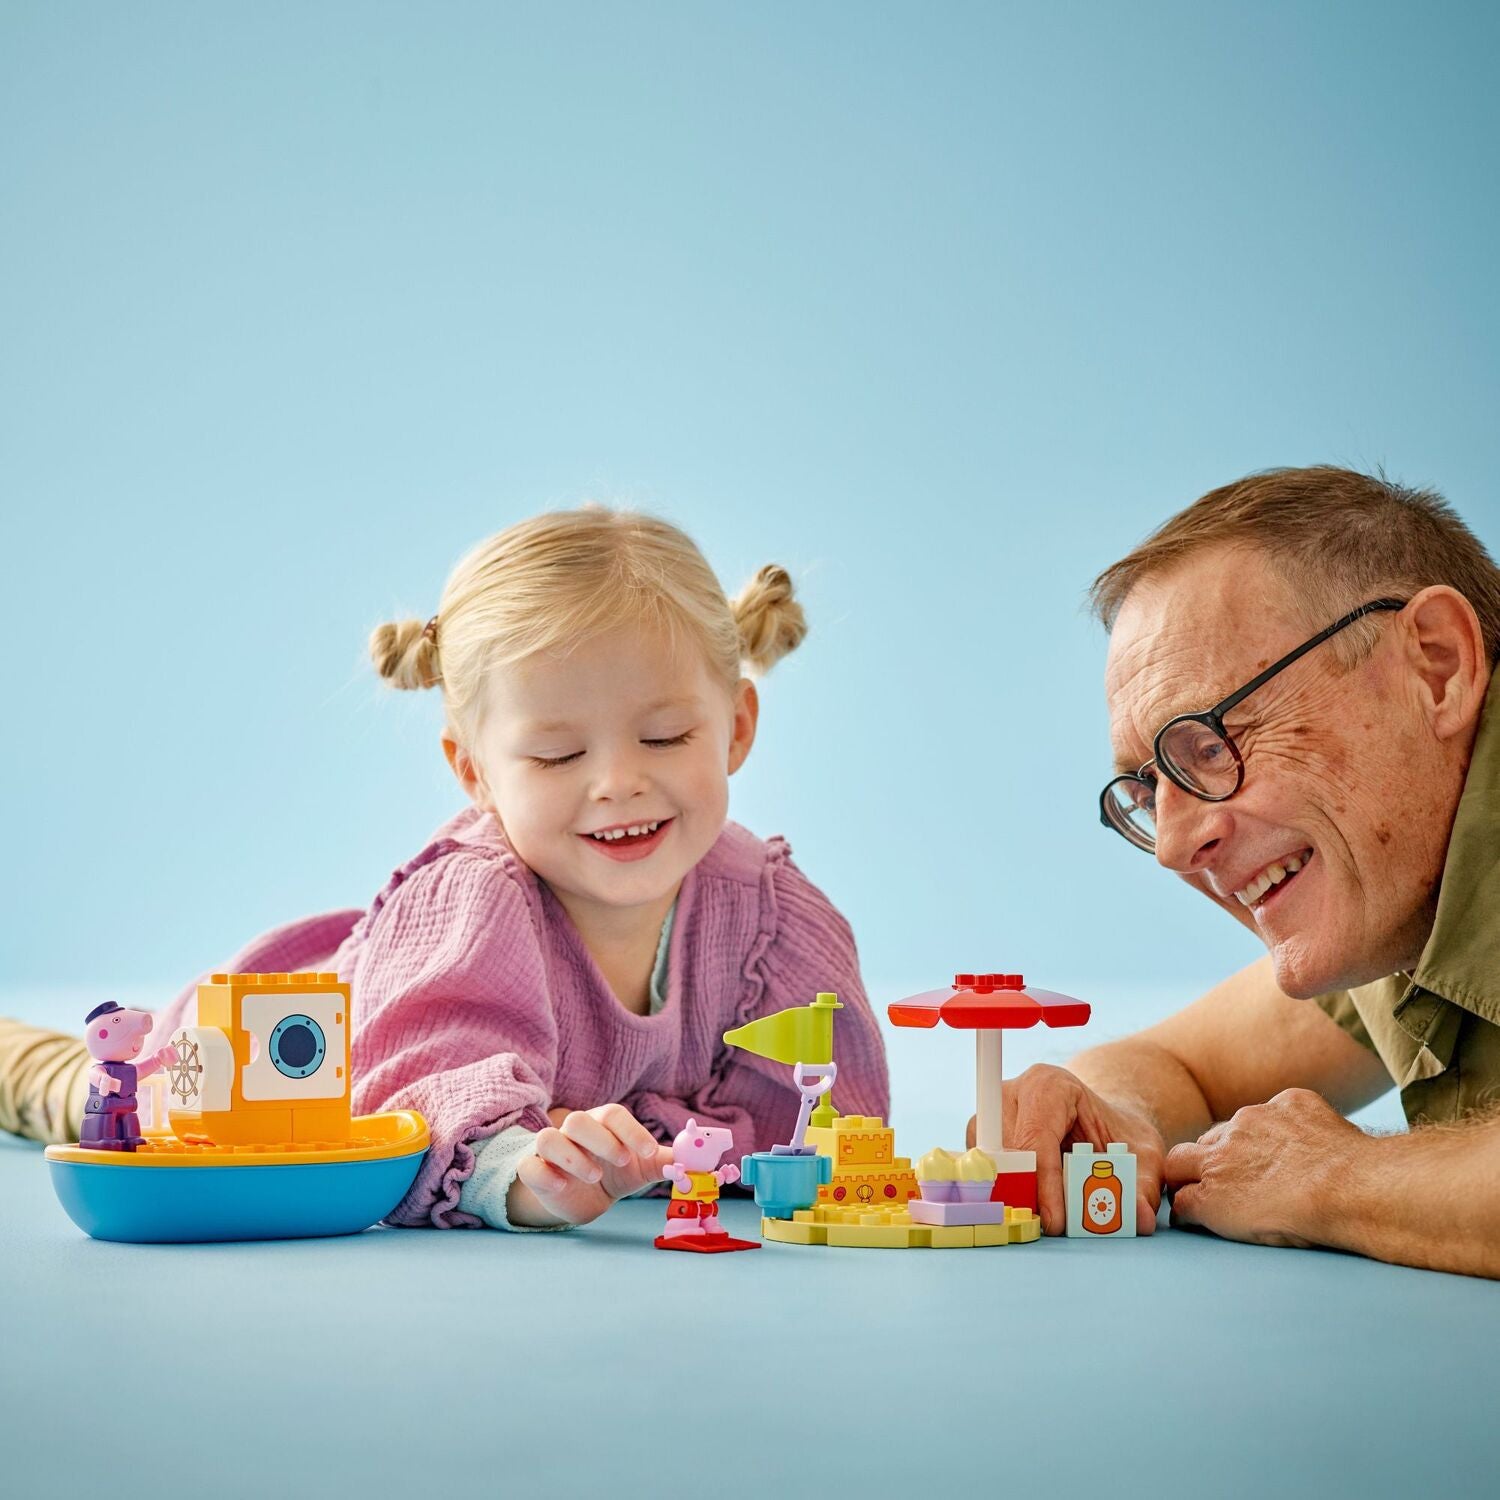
(986, 1002)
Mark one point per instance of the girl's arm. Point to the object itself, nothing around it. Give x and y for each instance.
(452, 1017)
(811, 949)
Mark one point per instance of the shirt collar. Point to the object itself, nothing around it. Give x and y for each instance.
(1461, 961)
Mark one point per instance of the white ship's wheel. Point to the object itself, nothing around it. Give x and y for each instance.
(187, 1070)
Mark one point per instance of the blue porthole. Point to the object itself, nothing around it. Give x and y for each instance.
(297, 1046)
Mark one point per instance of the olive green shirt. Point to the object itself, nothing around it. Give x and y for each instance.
(1437, 1030)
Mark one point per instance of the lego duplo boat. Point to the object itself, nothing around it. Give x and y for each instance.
(248, 1134)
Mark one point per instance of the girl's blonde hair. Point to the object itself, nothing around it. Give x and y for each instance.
(556, 580)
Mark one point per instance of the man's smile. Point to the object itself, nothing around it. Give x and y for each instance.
(1269, 883)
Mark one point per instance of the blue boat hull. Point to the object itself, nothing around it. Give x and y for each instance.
(172, 1205)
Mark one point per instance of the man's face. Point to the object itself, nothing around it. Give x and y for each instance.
(1342, 797)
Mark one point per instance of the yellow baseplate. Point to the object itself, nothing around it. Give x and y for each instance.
(871, 1228)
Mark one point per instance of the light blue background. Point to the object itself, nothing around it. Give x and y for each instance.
(943, 307)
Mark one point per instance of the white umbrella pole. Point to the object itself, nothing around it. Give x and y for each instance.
(988, 1112)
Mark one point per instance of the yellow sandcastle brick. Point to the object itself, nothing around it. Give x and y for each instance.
(856, 1140)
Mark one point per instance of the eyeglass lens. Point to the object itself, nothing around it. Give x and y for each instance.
(1197, 757)
(1131, 804)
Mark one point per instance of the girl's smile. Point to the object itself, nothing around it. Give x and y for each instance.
(627, 842)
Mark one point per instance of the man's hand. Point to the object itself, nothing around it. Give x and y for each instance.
(1263, 1175)
(581, 1167)
(1047, 1110)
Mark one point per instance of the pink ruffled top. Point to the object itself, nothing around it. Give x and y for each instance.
(475, 1001)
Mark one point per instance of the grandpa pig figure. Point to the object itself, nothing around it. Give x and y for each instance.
(696, 1177)
(114, 1037)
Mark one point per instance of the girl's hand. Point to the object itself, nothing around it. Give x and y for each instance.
(583, 1166)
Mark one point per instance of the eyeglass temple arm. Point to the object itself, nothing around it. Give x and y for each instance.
(1220, 709)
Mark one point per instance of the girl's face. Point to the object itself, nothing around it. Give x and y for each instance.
(609, 767)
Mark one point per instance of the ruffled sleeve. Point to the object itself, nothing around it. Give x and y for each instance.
(804, 946)
(453, 1018)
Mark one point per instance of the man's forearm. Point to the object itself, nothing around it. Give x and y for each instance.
(1149, 1078)
(1431, 1199)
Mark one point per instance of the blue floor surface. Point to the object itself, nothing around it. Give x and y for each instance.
(404, 1362)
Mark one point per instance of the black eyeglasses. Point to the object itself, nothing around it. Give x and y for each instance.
(1195, 752)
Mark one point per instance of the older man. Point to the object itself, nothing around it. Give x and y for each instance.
(1299, 683)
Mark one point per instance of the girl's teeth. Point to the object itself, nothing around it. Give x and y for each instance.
(635, 831)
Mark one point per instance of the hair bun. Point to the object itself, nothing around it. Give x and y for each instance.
(406, 654)
(771, 622)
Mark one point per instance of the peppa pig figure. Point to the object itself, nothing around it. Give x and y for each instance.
(114, 1037)
(696, 1177)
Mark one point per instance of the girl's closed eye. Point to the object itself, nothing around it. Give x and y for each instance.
(666, 742)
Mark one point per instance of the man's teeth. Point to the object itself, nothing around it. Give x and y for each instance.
(634, 831)
(1272, 875)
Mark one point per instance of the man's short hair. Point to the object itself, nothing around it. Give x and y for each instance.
(1338, 537)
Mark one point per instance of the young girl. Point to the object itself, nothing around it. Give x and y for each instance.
(549, 979)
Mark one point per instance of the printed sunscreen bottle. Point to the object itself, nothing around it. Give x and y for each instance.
(1101, 1202)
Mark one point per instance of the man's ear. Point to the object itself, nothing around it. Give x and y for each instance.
(1445, 650)
(466, 769)
(746, 717)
